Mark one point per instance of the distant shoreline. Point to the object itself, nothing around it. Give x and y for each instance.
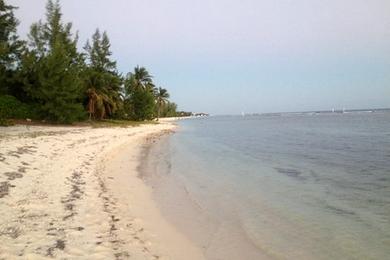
(335, 111)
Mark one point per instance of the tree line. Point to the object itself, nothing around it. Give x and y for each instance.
(47, 77)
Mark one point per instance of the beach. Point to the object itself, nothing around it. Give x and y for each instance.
(74, 192)
(286, 187)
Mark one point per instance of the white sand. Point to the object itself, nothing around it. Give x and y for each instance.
(73, 193)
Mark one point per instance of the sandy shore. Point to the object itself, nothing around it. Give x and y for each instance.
(74, 193)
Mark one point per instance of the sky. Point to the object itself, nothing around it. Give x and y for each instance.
(252, 56)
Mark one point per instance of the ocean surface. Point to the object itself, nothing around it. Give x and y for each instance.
(290, 186)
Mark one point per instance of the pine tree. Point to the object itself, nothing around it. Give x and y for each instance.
(99, 53)
(60, 87)
(52, 68)
(10, 47)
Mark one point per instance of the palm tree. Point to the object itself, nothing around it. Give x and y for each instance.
(103, 94)
(161, 99)
(140, 77)
(102, 81)
(140, 81)
(150, 87)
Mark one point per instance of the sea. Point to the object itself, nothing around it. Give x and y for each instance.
(283, 186)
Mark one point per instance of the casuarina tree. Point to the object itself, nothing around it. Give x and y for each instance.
(10, 47)
(56, 84)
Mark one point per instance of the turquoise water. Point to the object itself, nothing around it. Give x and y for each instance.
(285, 187)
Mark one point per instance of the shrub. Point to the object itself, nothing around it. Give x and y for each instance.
(142, 102)
(10, 107)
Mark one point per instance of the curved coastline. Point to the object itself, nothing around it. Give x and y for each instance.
(74, 192)
(149, 228)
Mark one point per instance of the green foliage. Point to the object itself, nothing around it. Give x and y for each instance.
(11, 108)
(142, 99)
(142, 105)
(27, 76)
(10, 47)
(52, 69)
(99, 53)
(169, 110)
(5, 122)
(102, 82)
(60, 87)
(48, 78)
(162, 96)
(140, 78)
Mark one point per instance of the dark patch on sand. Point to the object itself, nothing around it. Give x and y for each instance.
(13, 175)
(109, 207)
(79, 228)
(4, 188)
(13, 232)
(114, 219)
(75, 194)
(28, 149)
(22, 169)
(122, 255)
(60, 244)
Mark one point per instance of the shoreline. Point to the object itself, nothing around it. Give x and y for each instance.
(178, 203)
(71, 192)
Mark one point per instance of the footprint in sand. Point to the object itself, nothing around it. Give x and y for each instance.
(13, 175)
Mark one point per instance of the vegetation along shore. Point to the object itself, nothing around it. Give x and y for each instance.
(48, 78)
(69, 185)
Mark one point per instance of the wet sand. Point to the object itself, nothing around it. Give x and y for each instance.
(218, 238)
